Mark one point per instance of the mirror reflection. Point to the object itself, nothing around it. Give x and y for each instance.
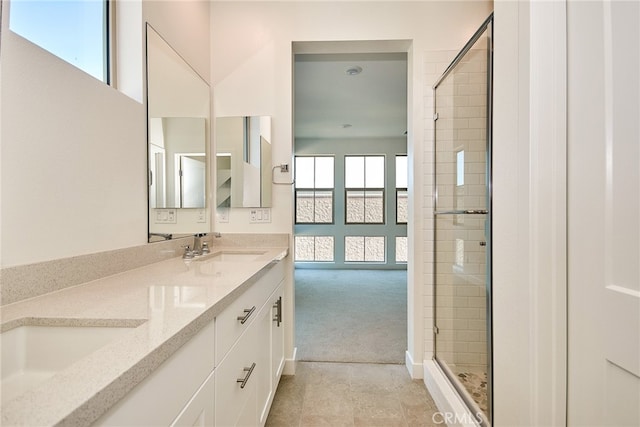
(243, 161)
(178, 104)
(177, 162)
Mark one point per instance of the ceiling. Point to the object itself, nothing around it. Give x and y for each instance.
(330, 103)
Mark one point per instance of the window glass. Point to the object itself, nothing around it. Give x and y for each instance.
(305, 172)
(323, 248)
(323, 207)
(354, 172)
(402, 206)
(401, 249)
(460, 168)
(74, 30)
(401, 171)
(313, 248)
(374, 172)
(305, 206)
(324, 172)
(364, 248)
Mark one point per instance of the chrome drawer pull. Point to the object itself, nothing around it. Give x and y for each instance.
(249, 371)
(247, 313)
(278, 307)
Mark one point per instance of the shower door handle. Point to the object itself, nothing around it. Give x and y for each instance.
(463, 212)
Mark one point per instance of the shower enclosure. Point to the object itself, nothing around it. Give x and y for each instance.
(462, 222)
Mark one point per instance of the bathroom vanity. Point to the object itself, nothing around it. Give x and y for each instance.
(177, 342)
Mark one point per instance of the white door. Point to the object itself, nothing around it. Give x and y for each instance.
(604, 213)
(193, 172)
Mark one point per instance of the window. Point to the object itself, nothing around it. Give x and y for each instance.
(314, 190)
(364, 189)
(402, 249)
(74, 30)
(364, 248)
(402, 201)
(313, 248)
(460, 168)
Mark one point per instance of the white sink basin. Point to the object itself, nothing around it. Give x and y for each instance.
(232, 256)
(32, 354)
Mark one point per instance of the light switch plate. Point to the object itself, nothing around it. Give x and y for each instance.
(166, 216)
(260, 216)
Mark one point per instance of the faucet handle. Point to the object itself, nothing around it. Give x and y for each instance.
(205, 248)
(188, 253)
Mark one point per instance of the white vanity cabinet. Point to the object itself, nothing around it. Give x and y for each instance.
(165, 394)
(250, 356)
(226, 375)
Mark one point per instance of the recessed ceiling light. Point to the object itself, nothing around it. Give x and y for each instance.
(354, 71)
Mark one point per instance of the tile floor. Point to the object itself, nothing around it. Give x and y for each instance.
(351, 394)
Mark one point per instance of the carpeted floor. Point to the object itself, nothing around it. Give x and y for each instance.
(351, 315)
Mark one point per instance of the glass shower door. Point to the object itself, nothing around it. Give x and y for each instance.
(462, 240)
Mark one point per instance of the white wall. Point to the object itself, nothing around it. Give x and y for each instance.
(252, 75)
(529, 213)
(73, 159)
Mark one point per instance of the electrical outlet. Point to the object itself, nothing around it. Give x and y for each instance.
(284, 168)
(222, 214)
(201, 216)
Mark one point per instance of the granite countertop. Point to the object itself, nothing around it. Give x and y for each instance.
(164, 304)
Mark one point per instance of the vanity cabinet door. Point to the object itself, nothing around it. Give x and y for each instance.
(163, 395)
(277, 336)
(199, 412)
(261, 347)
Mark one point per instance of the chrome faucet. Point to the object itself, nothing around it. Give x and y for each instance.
(198, 245)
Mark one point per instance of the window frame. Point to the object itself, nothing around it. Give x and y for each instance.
(365, 189)
(364, 248)
(107, 45)
(314, 189)
(314, 236)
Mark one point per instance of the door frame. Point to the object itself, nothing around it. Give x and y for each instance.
(415, 136)
(530, 213)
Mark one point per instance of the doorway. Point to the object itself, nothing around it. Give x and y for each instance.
(351, 200)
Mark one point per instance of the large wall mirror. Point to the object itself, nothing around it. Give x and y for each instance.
(243, 161)
(178, 105)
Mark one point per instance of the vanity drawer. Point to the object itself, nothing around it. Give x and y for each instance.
(236, 385)
(229, 327)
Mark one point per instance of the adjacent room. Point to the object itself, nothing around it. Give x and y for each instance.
(350, 199)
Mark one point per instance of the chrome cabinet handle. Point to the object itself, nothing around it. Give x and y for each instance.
(249, 371)
(247, 313)
(278, 307)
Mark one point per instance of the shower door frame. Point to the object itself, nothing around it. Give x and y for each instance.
(487, 26)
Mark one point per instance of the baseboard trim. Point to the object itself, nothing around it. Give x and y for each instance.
(452, 410)
(415, 369)
(290, 364)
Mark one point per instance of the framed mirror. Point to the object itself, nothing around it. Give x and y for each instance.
(178, 118)
(243, 162)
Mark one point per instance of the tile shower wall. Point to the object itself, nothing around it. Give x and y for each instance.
(461, 258)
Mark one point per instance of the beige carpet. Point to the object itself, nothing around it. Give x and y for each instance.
(351, 315)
